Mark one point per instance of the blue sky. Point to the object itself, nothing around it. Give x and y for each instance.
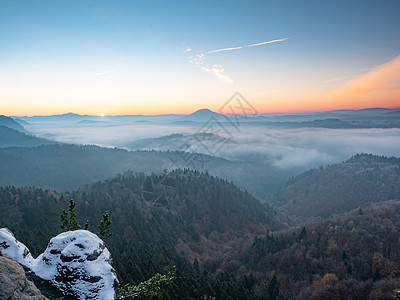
(131, 57)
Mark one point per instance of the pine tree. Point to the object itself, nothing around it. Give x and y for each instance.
(104, 227)
(73, 222)
(86, 227)
(68, 219)
(64, 221)
(273, 289)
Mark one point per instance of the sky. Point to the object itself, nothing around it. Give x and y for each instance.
(162, 57)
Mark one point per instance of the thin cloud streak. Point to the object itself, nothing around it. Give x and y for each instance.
(268, 42)
(218, 70)
(241, 47)
(225, 49)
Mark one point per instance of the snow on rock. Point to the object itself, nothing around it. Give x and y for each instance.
(76, 262)
(15, 249)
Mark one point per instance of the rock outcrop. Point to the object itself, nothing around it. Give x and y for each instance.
(76, 262)
(13, 282)
(15, 249)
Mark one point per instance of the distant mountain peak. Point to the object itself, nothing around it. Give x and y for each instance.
(70, 114)
(201, 115)
(202, 111)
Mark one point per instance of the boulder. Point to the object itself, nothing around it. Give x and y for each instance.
(15, 249)
(79, 264)
(76, 262)
(13, 282)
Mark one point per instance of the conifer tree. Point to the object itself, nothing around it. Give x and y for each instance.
(273, 289)
(64, 221)
(86, 227)
(68, 219)
(104, 227)
(73, 222)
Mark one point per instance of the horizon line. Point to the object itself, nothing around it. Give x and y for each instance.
(185, 114)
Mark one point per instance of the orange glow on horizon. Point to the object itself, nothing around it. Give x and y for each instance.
(269, 110)
(380, 87)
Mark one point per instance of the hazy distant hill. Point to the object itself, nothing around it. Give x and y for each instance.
(21, 122)
(63, 117)
(171, 142)
(317, 123)
(393, 113)
(14, 138)
(67, 167)
(11, 123)
(361, 180)
(363, 118)
(176, 141)
(340, 119)
(91, 123)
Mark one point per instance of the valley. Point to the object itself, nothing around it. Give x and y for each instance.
(337, 222)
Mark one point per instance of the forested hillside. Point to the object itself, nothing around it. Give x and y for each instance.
(11, 123)
(361, 180)
(204, 221)
(355, 255)
(14, 138)
(226, 243)
(12, 134)
(67, 167)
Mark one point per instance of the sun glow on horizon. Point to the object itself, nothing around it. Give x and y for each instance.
(130, 59)
(378, 87)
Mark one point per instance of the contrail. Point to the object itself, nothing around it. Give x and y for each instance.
(218, 70)
(225, 49)
(240, 47)
(269, 42)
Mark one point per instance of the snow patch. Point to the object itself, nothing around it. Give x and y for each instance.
(15, 249)
(76, 262)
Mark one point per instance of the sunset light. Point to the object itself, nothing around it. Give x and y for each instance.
(131, 58)
(245, 149)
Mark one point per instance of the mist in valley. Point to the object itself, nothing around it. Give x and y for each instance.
(289, 149)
